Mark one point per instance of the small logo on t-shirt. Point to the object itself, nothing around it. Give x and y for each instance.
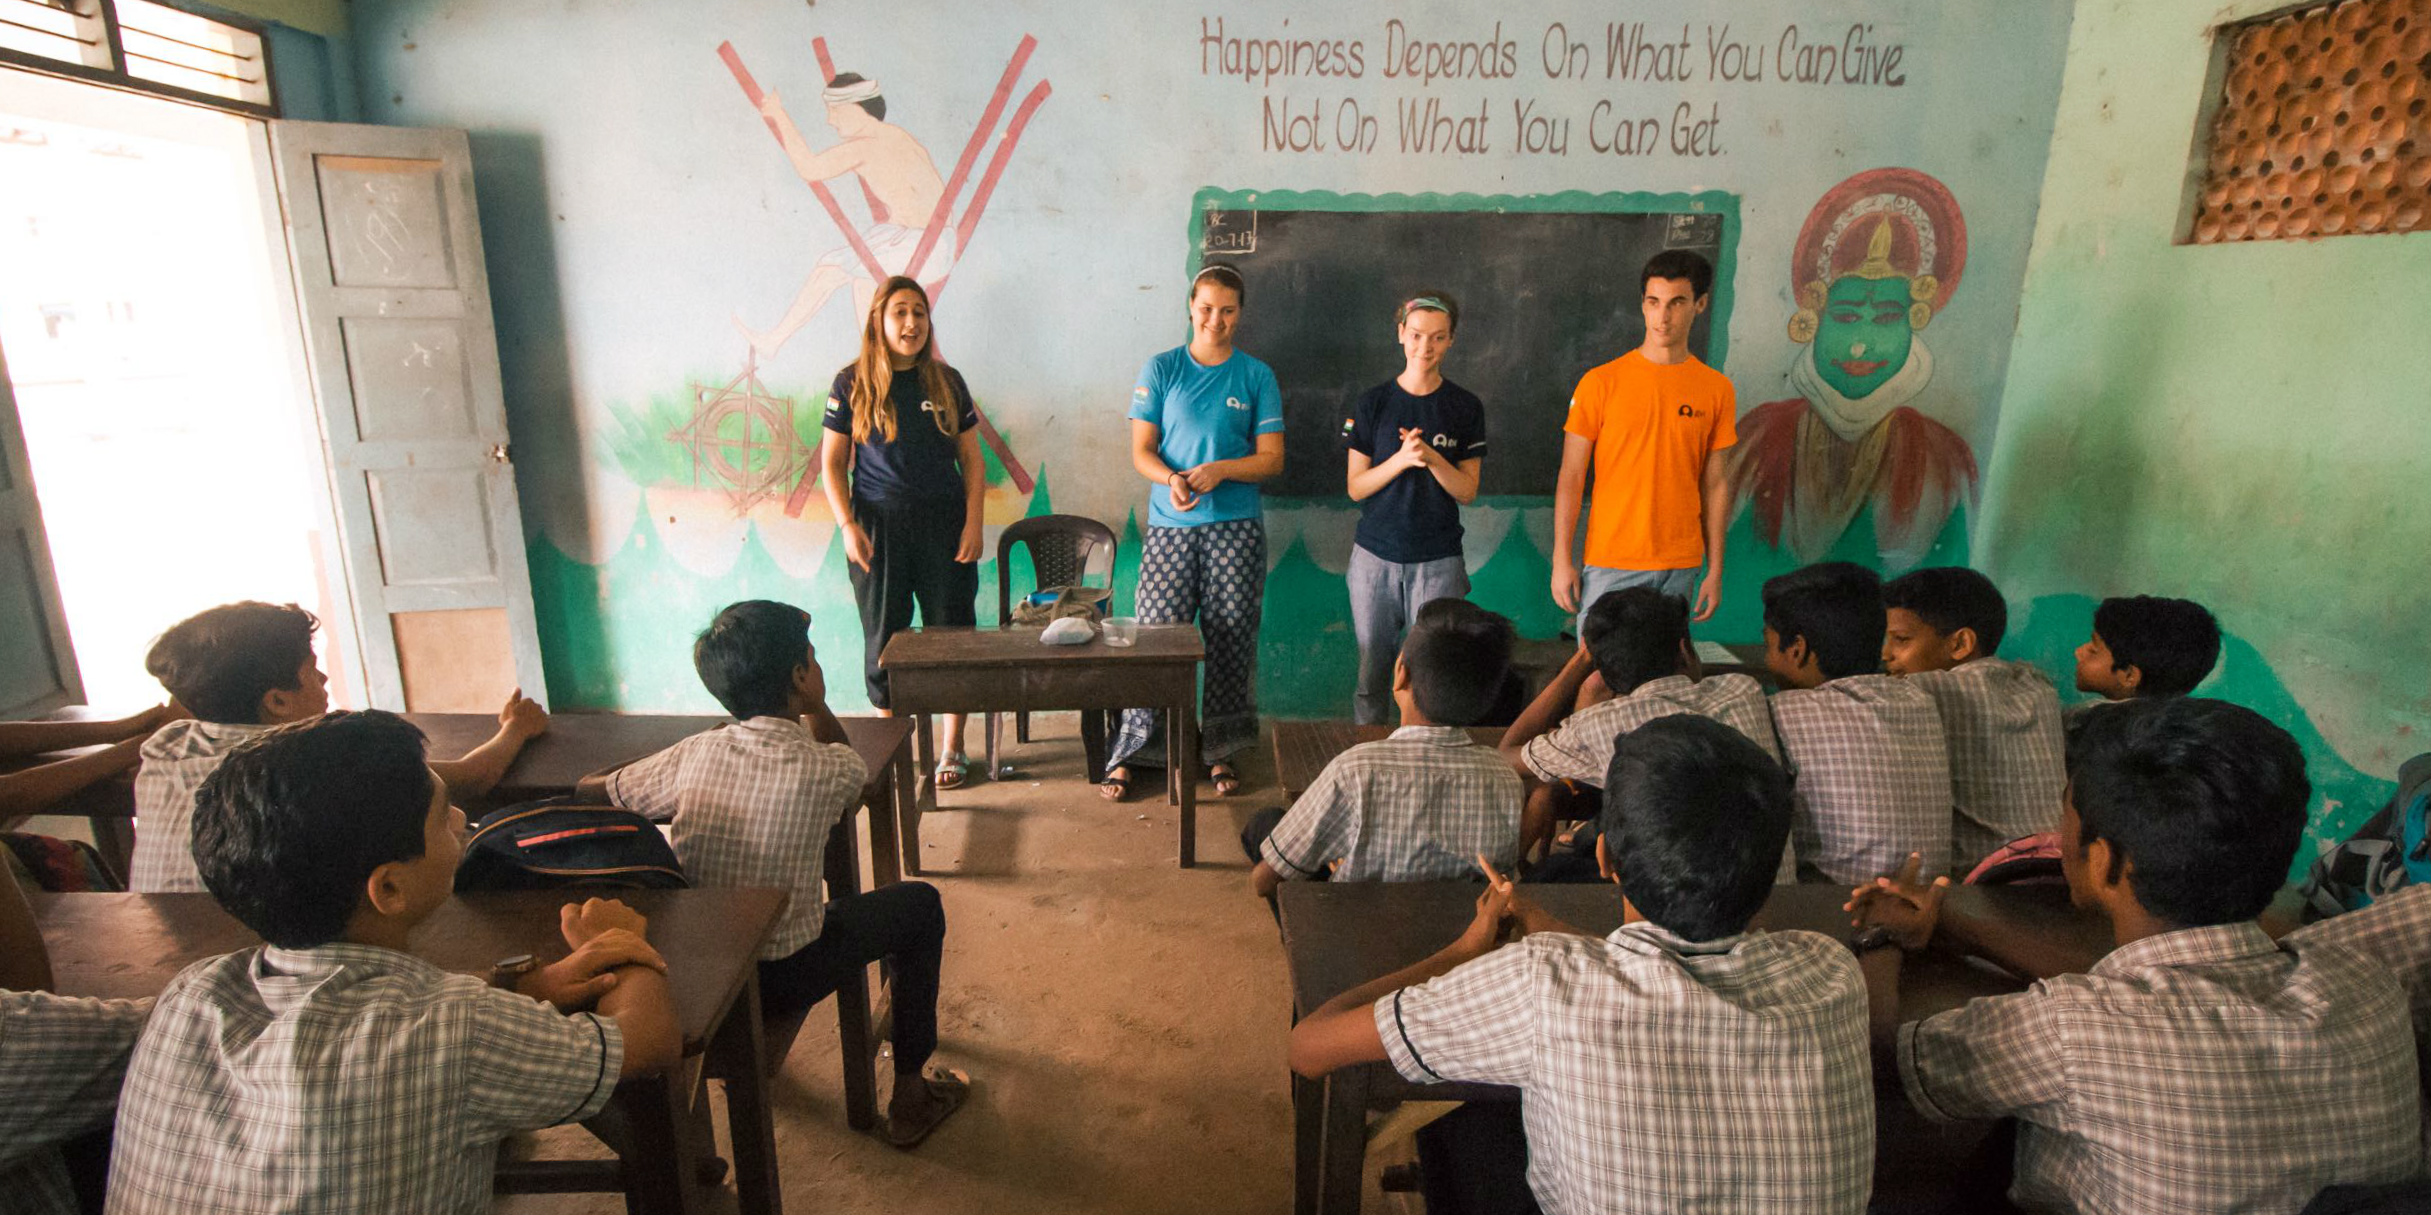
(928, 407)
(1443, 441)
(1690, 411)
(1139, 395)
(1348, 424)
(1236, 403)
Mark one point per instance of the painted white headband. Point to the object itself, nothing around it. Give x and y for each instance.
(857, 91)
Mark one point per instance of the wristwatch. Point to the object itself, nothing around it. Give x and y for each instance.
(1870, 939)
(506, 972)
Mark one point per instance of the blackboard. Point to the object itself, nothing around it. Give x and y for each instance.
(1544, 296)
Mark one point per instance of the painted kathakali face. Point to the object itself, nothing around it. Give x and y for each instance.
(1863, 333)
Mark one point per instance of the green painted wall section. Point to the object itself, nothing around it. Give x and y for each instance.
(2240, 424)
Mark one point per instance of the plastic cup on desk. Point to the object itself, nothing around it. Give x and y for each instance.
(1122, 630)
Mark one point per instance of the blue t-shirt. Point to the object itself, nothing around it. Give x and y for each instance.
(1203, 414)
(920, 462)
(1413, 518)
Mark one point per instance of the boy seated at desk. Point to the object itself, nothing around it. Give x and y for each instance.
(1687, 1061)
(751, 804)
(61, 1062)
(242, 669)
(1424, 803)
(28, 790)
(2147, 646)
(1872, 773)
(2000, 720)
(1634, 663)
(2199, 1067)
(329, 1069)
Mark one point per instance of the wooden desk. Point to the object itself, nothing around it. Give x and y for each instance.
(108, 805)
(960, 670)
(128, 945)
(579, 744)
(1303, 748)
(1337, 936)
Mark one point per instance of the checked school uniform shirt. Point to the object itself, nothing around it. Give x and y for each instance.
(2201, 1070)
(2008, 759)
(1872, 776)
(1657, 1075)
(61, 1061)
(176, 760)
(344, 1078)
(1580, 749)
(1416, 806)
(750, 804)
(2395, 934)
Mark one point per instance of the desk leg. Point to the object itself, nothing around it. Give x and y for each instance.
(925, 757)
(735, 1056)
(1307, 1143)
(853, 1040)
(660, 1166)
(1344, 1151)
(885, 850)
(907, 809)
(114, 839)
(1185, 728)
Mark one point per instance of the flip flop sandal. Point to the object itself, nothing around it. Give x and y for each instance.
(954, 770)
(1117, 788)
(1226, 778)
(950, 1089)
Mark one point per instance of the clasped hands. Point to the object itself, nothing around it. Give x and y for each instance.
(1900, 903)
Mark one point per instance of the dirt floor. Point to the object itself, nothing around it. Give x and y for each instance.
(1122, 1019)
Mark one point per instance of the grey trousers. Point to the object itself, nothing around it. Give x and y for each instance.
(1385, 595)
(1596, 581)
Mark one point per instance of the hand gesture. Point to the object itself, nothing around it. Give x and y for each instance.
(522, 717)
(582, 921)
(1202, 478)
(579, 979)
(1909, 910)
(856, 545)
(1178, 486)
(1493, 907)
(1565, 585)
(967, 550)
(1709, 595)
(1414, 451)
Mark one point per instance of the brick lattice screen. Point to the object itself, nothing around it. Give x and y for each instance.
(2324, 128)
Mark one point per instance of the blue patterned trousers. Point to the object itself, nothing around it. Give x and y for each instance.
(1214, 576)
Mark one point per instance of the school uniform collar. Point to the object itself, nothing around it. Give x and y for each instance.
(2208, 946)
(288, 977)
(769, 724)
(1441, 736)
(1646, 936)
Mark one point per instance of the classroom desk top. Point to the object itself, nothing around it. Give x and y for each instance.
(914, 649)
(579, 744)
(119, 946)
(1542, 657)
(1303, 748)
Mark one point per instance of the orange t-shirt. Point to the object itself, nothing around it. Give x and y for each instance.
(1652, 426)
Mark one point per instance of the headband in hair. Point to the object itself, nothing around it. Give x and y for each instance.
(1216, 270)
(850, 94)
(1429, 303)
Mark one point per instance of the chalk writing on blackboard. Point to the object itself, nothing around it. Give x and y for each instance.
(1229, 233)
(1692, 231)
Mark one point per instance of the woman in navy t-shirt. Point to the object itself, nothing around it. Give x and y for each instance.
(1206, 428)
(900, 423)
(1416, 445)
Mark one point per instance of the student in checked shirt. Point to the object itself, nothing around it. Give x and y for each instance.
(61, 1062)
(751, 804)
(1426, 802)
(2000, 719)
(1634, 664)
(329, 1069)
(1866, 750)
(2199, 1067)
(1686, 1062)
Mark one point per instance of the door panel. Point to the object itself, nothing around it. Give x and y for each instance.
(37, 662)
(395, 307)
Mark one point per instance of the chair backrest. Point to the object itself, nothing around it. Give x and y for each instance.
(1060, 547)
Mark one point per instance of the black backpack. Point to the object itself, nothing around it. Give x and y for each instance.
(564, 843)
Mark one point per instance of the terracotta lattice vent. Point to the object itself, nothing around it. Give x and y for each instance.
(2323, 125)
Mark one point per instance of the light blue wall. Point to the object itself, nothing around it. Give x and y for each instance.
(632, 204)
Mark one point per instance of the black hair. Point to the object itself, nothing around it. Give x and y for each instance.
(1836, 607)
(1950, 598)
(1679, 263)
(2174, 642)
(1695, 817)
(875, 107)
(1457, 654)
(1635, 634)
(747, 656)
(1225, 276)
(1450, 307)
(2206, 798)
(290, 826)
(219, 663)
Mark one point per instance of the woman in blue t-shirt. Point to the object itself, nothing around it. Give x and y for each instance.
(1206, 427)
(901, 424)
(1416, 444)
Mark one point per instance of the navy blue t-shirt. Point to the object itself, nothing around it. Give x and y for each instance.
(920, 462)
(1412, 518)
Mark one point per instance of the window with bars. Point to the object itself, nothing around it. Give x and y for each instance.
(141, 45)
(2322, 126)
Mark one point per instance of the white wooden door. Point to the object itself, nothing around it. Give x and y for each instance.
(37, 664)
(403, 359)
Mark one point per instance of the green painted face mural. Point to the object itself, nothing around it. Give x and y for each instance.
(1862, 334)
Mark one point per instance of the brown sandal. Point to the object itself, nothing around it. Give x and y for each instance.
(949, 1089)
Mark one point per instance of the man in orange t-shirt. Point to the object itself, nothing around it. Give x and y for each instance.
(1652, 424)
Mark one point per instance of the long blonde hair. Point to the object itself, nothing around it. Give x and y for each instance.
(874, 372)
